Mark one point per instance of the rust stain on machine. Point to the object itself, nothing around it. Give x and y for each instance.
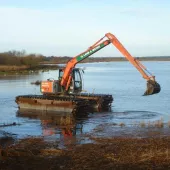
(79, 104)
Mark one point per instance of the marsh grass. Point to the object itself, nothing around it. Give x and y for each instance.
(122, 124)
(6, 68)
(105, 153)
(25, 69)
(157, 124)
(142, 124)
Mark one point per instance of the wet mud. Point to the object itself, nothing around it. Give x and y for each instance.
(105, 153)
(6, 141)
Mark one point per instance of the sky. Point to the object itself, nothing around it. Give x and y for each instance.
(69, 27)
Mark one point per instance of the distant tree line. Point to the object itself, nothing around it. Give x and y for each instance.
(65, 59)
(57, 60)
(19, 58)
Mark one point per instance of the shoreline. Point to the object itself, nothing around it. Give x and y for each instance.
(14, 70)
(46, 66)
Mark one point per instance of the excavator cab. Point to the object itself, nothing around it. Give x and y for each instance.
(76, 82)
(51, 86)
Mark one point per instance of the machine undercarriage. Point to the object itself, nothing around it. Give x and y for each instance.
(81, 104)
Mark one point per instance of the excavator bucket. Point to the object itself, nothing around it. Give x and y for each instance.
(152, 88)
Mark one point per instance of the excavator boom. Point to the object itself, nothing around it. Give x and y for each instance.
(66, 79)
(152, 86)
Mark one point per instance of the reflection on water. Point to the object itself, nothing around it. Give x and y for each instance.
(68, 131)
(62, 128)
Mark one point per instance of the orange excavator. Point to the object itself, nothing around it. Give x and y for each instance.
(65, 94)
(70, 80)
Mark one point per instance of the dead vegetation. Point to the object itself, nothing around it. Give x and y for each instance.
(114, 153)
(157, 124)
(12, 68)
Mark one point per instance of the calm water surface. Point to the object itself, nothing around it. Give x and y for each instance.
(120, 79)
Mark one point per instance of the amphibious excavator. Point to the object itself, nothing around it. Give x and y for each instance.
(65, 94)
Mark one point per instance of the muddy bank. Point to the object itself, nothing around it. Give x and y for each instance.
(105, 153)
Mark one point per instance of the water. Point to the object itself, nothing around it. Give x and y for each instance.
(120, 79)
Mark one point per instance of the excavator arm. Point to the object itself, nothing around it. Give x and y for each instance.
(152, 86)
(66, 78)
